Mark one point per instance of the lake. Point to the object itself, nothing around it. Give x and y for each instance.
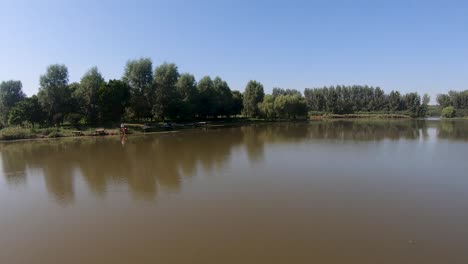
(320, 192)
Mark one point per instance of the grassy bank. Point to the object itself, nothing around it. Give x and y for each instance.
(20, 133)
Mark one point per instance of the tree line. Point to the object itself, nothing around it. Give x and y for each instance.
(354, 99)
(453, 103)
(144, 94)
(141, 94)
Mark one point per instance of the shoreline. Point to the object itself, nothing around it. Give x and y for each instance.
(217, 124)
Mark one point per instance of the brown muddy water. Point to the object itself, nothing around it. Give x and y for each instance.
(320, 192)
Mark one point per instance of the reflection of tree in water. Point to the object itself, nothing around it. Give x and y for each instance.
(368, 130)
(147, 163)
(144, 164)
(453, 129)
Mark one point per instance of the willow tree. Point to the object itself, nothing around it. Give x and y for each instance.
(253, 95)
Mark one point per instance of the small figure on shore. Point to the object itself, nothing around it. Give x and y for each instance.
(122, 129)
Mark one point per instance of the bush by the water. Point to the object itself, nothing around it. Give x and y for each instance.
(12, 133)
(448, 112)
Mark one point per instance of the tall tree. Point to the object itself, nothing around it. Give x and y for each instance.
(413, 103)
(444, 100)
(223, 97)
(11, 92)
(253, 95)
(187, 88)
(139, 76)
(206, 101)
(167, 100)
(113, 97)
(280, 91)
(54, 93)
(88, 91)
(394, 101)
(237, 103)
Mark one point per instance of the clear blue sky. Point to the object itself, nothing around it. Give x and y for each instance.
(400, 44)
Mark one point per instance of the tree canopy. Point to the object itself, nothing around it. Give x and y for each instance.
(164, 94)
(253, 95)
(11, 92)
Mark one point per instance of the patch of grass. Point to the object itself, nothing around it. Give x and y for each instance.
(14, 133)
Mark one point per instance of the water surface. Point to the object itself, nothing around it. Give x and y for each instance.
(319, 192)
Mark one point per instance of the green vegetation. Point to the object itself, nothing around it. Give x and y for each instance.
(283, 104)
(448, 112)
(352, 99)
(147, 95)
(458, 101)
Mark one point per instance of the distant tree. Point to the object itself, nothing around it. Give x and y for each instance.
(394, 101)
(267, 107)
(448, 112)
(11, 92)
(424, 108)
(75, 106)
(253, 95)
(187, 88)
(280, 91)
(167, 100)
(315, 99)
(444, 100)
(413, 103)
(88, 91)
(28, 110)
(207, 97)
(113, 97)
(54, 93)
(237, 103)
(378, 100)
(138, 76)
(290, 106)
(222, 97)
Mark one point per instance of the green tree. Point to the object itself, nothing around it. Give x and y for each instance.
(113, 97)
(11, 92)
(413, 104)
(424, 108)
(237, 103)
(76, 112)
(290, 106)
(28, 110)
(206, 101)
(222, 97)
(138, 76)
(267, 107)
(167, 100)
(394, 101)
(88, 92)
(448, 112)
(54, 93)
(280, 91)
(444, 100)
(253, 95)
(187, 88)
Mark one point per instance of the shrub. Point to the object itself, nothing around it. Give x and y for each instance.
(12, 133)
(448, 112)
